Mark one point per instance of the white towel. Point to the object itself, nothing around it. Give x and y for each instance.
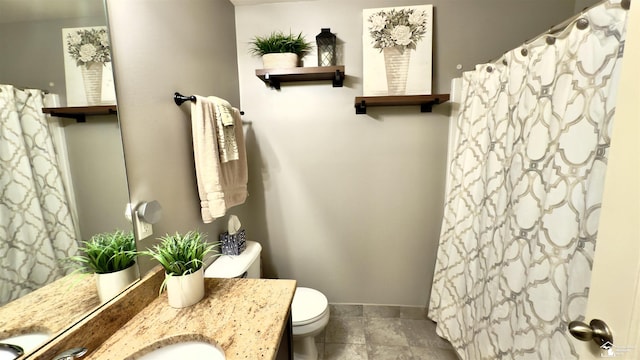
(221, 185)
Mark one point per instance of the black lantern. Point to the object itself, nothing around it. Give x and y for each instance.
(326, 42)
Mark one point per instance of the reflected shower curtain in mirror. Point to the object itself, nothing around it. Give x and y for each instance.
(524, 193)
(36, 229)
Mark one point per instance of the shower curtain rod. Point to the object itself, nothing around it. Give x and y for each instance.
(625, 4)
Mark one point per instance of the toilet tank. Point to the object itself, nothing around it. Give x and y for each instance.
(247, 264)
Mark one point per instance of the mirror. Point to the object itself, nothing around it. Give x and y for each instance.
(90, 161)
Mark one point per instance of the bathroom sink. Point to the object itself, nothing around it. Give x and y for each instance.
(186, 350)
(28, 343)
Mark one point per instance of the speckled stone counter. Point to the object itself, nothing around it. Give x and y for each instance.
(98, 326)
(52, 308)
(245, 317)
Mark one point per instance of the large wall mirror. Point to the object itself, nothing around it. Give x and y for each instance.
(88, 157)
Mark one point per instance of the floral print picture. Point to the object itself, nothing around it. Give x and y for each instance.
(397, 46)
(87, 64)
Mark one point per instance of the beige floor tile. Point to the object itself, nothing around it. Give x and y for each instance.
(382, 352)
(415, 313)
(320, 347)
(420, 353)
(345, 330)
(380, 331)
(345, 352)
(372, 332)
(422, 333)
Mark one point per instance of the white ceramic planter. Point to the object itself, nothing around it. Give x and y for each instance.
(112, 284)
(279, 60)
(185, 290)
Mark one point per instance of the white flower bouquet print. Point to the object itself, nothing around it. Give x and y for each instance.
(89, 45)
(397, 48)
(87, 65)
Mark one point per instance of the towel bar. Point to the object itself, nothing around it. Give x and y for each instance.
(181, 99)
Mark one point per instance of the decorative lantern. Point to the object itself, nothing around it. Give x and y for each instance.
(326, 42)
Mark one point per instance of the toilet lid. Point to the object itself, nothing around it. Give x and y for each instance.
(308, 304)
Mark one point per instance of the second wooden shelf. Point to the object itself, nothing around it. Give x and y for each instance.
(426, 102)
(273, 77)
(81, 112)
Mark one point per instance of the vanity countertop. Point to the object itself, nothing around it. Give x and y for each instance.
(51, 308)
(245, 317)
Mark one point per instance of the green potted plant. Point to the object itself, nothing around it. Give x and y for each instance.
(182, 257)
(280, 50)
(112, 257)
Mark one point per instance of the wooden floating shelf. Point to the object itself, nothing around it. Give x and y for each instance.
(80, 113)
(273, 77)
(426, 102)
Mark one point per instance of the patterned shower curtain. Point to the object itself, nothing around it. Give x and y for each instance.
(524, 191)
(36, 229)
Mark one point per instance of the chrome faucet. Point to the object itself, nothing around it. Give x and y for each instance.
(15, 349)
(71, 354)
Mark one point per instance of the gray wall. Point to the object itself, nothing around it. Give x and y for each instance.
(582, 4)
(98, 173)
(347, 204)
(159, 47)
(352, 204)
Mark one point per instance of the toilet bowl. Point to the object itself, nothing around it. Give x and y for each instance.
(309, 308)
(310, 315)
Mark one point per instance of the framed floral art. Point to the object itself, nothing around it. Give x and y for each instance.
(397, 50)
(87, 66)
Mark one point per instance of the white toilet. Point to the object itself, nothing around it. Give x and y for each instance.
(244, 265)
(310, 315)
(309, 309)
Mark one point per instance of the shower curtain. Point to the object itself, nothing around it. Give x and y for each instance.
(524, 191)
(36, 229)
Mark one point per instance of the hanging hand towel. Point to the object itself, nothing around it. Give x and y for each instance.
(235, 173)
(220, 185)
(227, 144)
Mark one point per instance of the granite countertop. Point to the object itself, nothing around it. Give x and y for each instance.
(245, 317)
(52, 308)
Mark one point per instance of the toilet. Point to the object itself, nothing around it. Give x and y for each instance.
(309, 316)
(245, 265)
(309, 308)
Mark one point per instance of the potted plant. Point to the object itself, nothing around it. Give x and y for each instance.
(112, 257)
(279, 50)
(182, 257)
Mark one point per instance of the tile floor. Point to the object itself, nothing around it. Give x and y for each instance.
(368, 332)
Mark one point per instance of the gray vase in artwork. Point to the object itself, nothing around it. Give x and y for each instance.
(92, 79)
(396, 61)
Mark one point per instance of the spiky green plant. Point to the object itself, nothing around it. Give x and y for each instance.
(181, 254)
(278, 42)
(106, 253)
